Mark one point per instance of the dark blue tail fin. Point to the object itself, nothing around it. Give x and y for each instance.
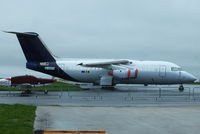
(34, 49)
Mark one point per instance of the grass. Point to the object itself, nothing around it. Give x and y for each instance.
(16, 119)
(197, 83)
(56, 86)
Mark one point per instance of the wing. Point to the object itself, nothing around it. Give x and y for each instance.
(105, 64)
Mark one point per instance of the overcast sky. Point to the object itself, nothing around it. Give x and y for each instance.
(166, 30)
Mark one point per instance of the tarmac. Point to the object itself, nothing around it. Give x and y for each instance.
(139, 109)
(120, 120)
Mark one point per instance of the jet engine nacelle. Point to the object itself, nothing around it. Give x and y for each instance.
(125, 73)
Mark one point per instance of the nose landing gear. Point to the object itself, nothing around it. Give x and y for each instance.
(181, 88)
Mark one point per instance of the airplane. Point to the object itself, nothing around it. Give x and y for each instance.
(104, 72)
(25, 81)
(5, 82)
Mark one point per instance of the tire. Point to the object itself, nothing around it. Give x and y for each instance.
(181, 88)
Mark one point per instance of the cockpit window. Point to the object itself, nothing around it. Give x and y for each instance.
(176, 68)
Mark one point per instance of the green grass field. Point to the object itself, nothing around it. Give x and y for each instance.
(56, 86)
(194, 83)
(16, 119)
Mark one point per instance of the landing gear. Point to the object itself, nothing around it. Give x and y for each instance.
(181, 88)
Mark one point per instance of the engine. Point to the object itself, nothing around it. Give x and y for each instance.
(125, 73)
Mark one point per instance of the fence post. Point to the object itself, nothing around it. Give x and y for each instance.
(159, 92)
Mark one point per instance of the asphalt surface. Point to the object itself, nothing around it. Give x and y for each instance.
(123, 96)
(138, 109)
(120, 120)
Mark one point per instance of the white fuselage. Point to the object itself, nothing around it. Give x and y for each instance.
(5, 82)
(149, 72)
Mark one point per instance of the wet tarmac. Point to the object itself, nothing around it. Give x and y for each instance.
(122, 96)
(128, 109)
(120, 120)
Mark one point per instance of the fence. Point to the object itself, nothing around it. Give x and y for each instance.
(69, 132)
(133, 93)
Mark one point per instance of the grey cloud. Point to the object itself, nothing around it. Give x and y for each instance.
(145, 30)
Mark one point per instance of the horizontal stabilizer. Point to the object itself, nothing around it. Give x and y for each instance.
(18, 33)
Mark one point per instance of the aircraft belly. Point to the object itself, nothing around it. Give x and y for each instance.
(151, 78)
(85, 76)
(143, 78)
(171, 78)
(155, 78)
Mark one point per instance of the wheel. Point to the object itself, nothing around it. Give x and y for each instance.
(181, 88)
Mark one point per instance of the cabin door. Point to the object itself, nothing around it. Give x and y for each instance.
(162, 71)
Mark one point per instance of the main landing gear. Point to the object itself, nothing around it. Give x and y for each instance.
(181, 88)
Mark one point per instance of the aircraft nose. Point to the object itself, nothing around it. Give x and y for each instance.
(187, 77)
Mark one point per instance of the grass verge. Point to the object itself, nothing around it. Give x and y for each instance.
(16, 119)
(56, 86)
